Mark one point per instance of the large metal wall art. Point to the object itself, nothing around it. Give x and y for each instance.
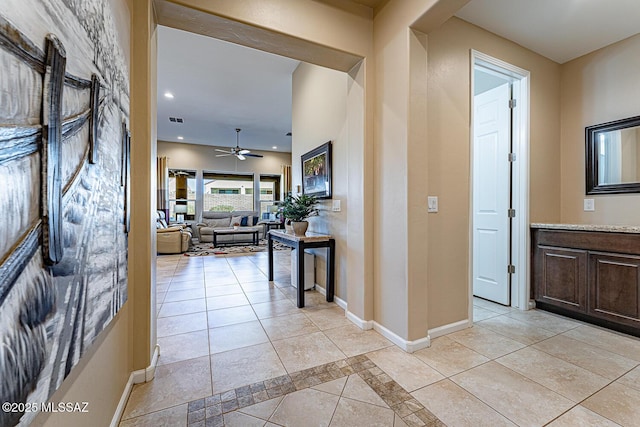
(64, 105)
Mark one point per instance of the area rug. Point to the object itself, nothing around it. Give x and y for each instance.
(203, 249)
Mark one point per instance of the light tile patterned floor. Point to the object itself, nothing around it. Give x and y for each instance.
(236, 351)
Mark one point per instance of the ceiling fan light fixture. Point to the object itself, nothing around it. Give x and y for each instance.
(240, 153)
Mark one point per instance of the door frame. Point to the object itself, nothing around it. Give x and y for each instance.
(520, 281)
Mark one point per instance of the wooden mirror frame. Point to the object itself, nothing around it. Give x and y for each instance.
(592, 158)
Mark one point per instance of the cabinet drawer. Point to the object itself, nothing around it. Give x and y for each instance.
(561, 277)
(614, 287)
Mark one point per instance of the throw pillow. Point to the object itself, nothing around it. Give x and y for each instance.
(255, 220)
(235, 220)
(217, 223)
(244, 221)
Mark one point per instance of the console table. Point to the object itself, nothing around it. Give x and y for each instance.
(300, 243)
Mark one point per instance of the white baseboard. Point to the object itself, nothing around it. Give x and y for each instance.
(450, 328)
(136, 377)
(408, 346)
(339, 301)
(123, 402)
(362, 324)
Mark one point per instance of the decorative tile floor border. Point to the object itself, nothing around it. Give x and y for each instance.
(209, 411)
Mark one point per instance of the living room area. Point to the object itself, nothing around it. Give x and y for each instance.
(231, 133)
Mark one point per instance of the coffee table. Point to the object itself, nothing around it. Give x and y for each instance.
(242, 230)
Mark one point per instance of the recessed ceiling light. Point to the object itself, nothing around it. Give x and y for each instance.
(274, 147)
(181, 138)
(168, 95)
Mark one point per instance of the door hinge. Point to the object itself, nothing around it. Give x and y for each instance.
(512, 157)
(511, 269)
(511, 213)
(512, 103)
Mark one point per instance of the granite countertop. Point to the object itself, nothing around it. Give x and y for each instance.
(590, 227)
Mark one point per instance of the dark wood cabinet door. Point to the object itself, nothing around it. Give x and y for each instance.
(560, 277)
(614, 285)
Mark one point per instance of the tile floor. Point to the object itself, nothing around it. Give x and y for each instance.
(235, 351)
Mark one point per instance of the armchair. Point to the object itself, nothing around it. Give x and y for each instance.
(171, 240)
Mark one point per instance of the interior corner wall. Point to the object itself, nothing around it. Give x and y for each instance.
(417, 187)
(597, 88)
(449, 74)
(400, 163)
(142, 236)
(319, 114)
(390, 165)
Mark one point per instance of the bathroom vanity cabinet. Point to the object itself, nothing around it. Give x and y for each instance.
(591, 273)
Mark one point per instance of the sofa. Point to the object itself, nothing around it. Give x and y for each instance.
(217, 220)
(173, 239)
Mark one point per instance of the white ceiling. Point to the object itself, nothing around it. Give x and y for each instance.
(219, 86)
(560, 30)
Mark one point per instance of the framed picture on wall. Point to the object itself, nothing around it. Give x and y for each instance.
(316, 172)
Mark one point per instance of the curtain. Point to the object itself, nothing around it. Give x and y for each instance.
(286, 179)
(162, 181)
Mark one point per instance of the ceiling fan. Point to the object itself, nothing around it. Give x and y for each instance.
(240, 153)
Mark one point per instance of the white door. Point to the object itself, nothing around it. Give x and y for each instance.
(491, 194)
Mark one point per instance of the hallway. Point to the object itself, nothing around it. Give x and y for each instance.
(236, 351)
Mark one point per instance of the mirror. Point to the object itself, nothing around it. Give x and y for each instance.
(613, 157)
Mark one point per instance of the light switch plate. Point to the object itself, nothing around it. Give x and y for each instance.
(432, 204)
(336, 205)
(589, 205)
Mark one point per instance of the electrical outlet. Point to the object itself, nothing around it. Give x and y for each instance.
(589, 205)
(432, 204)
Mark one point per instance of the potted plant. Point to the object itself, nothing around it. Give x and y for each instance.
(297, 209)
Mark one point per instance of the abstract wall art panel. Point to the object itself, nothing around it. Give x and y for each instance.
(64, 97)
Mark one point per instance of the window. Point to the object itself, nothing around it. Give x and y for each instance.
(182, 191)
(227, 192)
(269, 192)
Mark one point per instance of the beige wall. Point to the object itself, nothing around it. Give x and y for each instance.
(319, 114)
(142, 243)
(203, 157)
(449, 150)
(99, 378)
(597, 88)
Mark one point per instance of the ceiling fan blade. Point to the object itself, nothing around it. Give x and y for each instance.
(243, 151)
(223, 155)
(222, 151)
(240, 156)
(253, 155)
